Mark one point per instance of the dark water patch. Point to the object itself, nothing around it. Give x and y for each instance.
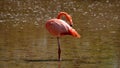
(46, 60)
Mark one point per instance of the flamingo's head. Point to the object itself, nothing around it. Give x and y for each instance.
(70, 20)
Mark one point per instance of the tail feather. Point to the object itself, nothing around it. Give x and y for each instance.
(74, 33)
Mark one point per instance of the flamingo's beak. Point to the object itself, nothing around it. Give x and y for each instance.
(71, 22)
(71, 25)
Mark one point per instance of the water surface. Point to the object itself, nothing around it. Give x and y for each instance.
(25, 43)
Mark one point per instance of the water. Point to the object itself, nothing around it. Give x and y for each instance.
(24, 41)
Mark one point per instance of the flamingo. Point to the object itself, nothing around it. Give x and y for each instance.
(58, 27)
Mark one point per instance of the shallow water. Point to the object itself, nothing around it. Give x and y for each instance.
(25, 43)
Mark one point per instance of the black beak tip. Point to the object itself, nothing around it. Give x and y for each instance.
(71, 25)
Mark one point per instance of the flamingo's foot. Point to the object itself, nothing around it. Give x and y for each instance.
(59, 59)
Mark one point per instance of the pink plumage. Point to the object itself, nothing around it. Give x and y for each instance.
(58, 28)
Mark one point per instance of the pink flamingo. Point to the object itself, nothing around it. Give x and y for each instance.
(58, 28)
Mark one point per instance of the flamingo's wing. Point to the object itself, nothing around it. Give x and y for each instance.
(59, 27)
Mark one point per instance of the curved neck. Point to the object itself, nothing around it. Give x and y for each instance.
(68, 17)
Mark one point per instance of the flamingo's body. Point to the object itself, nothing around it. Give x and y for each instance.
(58, 27)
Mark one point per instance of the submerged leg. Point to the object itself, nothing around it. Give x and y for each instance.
(59, 50)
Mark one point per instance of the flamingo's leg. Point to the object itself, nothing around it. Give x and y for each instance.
(59, 49)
